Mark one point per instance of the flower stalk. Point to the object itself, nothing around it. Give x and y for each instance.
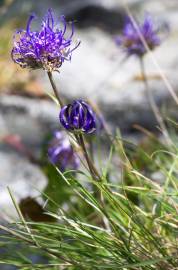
(93, 171)
(50, 76)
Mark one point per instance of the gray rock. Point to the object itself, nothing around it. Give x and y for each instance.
(67, 6)
(31, 119)
(23, 178)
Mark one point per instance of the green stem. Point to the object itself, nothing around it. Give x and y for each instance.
(55, 88)
(95, 175)
(93, 171)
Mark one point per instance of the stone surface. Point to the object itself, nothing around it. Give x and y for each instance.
(68, 6)
(31, 120)
(23, 178)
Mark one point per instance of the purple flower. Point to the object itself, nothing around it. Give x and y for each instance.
(61, 153)
(45, 48)
(78, 116)
(130, 39)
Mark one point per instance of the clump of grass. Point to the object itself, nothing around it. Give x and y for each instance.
(121, 232)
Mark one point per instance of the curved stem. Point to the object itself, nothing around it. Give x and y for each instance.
(95, 175)
(93, 170)
(153, 104)
(55, 88)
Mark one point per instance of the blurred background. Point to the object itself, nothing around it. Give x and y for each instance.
(98, 71)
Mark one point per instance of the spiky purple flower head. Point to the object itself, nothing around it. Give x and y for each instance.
(61, 153)
(45, 48)
(130, 39)
(78, 117)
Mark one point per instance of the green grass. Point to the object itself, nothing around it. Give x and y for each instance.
(132, 225)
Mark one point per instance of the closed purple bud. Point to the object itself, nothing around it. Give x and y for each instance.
(78, 116)
(61, 153)
(45, 48)
(130, 39)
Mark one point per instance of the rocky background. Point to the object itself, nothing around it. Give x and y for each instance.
(98, 72)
